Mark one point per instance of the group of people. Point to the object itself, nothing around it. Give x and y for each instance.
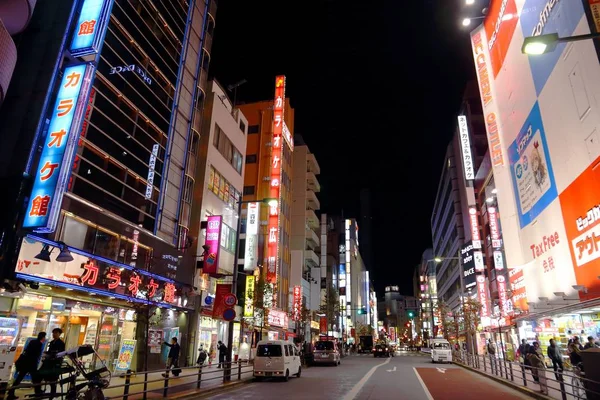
(28, 362)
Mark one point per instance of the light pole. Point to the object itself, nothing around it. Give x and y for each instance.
(235, 272)
(542, 44)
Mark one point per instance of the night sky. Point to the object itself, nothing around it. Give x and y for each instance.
(376, 87)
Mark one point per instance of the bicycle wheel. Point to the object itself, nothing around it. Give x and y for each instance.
(578, 389)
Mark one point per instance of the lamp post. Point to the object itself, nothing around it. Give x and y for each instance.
(234, 275)
(542, 44)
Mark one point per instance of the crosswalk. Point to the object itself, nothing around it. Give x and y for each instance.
(398, 354)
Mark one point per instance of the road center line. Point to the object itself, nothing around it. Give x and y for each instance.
(352, 393)
(429, 396)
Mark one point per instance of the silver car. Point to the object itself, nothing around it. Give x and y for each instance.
(326, 352)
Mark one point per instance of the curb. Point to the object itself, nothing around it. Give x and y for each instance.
(200, 393)
(522, 389)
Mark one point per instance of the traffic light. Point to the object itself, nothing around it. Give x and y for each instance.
(411, 314)
(362, 311)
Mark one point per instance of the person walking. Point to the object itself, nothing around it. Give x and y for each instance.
(491, 350)
(591, 343)
(28, 364)
(538, 367)
(173, 358)
(554, 355)
(222, 354)
(51, 364)
(202, 356)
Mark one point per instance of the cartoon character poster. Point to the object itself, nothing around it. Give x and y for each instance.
(531, 169)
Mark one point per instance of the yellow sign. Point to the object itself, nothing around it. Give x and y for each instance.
(249, 296)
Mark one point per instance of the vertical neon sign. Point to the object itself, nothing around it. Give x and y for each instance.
(275, 183)
(91, 27)
(55, 163)
(213, 240)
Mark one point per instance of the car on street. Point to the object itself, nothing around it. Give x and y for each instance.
(381, 350)
(276, 359)
(326, 352)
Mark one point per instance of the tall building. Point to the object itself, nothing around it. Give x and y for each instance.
(426, 294)
(329, 321)
(365, 237)
(305, 241)
(452, 212)
(398, 313)
(108, 205)
(218, 189)
(268, 175)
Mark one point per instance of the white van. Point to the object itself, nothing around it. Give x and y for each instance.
(441, 350)
(276, 358)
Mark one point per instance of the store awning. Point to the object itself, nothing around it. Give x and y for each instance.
(563, 309)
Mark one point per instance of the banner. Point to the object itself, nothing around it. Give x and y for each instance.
(249, 296)
(223, 289)
(213, 241)
(323, 325)
(125, 355)
(251, 248)
(297, 311)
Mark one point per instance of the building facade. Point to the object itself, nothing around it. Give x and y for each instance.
(218, 189)
(305, 241)
(107, 255)
(268, 175)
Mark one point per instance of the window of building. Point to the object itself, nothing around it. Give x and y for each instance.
(251, 159)
(242, 126)
(253, 129)
(249, 190)
(222, 188)
(227, 149)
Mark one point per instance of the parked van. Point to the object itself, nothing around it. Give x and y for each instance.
(441, 350)
(276, 359)
(326, 352)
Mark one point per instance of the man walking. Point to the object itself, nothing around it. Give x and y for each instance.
(491, 349)
(173, 358)
(28, 363)
(50, 369)
(554, 355)
(222, 354)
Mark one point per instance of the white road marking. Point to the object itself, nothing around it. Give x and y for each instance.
(442, 370)
(429, 397)
(357, 388)
(392, 370)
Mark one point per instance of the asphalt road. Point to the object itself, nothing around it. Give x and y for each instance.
(408, 376)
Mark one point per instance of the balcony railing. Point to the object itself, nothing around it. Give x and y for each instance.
(312, 219)
(313, 201)
(313, 183)
(312, 164)
(311, 258)
(312, 238)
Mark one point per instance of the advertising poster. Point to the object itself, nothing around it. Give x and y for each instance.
(220, 306)
(126, 354)
(249, 296)
(531, 169)
(251, 256)
(213, 240)
(580, 203)
(468, 263)
(500, 26)
(323, 325)
(155, 339)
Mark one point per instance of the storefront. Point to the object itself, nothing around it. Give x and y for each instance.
(95, 301)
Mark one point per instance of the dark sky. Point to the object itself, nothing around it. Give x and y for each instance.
(376, 86)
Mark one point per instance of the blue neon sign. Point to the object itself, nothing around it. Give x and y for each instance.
(91, 27)
(56, 159)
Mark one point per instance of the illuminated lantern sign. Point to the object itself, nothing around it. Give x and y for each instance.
(97, 275)
(91, 27)
(54, 167)
(494, 231)
(275, 182)
(297, 303)
(213, 240)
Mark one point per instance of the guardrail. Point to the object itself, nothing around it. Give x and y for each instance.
(161, 382)
(561, 384)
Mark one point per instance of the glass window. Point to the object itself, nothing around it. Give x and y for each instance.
(325, 345)
(248, 190)
(242, 126)
(251, 159)
(269, 350)
(78, 234)
(253, 129)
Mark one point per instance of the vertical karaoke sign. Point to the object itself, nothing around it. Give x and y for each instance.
(275, 182)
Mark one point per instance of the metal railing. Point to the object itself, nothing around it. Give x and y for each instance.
(162, 382)
(567, 384)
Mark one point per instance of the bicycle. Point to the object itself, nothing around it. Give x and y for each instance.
(577, 384)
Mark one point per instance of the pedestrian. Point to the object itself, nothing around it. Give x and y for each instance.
(591, 344)
(222, 354)
(28, 363)
(538, 367)
(554, 355)
(51, 365)
(202, 356)
(173, 358)
(491, 350)
(575, 352)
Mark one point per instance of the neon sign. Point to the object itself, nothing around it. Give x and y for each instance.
(57, 156)
(91, 27)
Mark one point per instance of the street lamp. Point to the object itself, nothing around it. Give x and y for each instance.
(542, 44)
(271, 203)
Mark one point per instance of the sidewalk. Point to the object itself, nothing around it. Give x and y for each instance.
(182, 386)
(513, 374)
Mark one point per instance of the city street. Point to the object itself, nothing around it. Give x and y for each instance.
(407, 376)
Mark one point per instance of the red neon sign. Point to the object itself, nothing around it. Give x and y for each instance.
(275, 182)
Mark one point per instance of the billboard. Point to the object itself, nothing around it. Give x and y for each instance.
(465, 145)
(468, 263)
(58, 152)
(251, 246)
(213, 240)
(91, 27)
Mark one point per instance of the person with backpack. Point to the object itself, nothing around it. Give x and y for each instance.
(202, 356)
(173, 358)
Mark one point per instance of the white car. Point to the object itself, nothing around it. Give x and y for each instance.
(441, 351)
(276, 359)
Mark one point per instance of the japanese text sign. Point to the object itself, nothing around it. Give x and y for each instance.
(213, 240)
(251, 256)
(465, 145)
(249, 296)
(474, 223)
(91, 27)
(275, 181)
(482, 289)
(494, 231)
(223, 289)
(56, 159)
(297, 303)
(277, 318)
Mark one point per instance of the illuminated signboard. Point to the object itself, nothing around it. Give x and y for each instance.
(482, 294)
(297, 312)
(213, 240)
(275, 182)
(277, 318)
(465, 145)
(251, 246)
(494, 231)
(95, 274)
(57, 156)
(91, 27)
(132, 68)
(474, 223)
(151, 165)
(288, 136)
(249, 296)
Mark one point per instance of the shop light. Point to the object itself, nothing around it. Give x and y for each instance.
(495, 190)
(64, 255)
(469, 2)
(560, 294)
(466, 22)
(542, 44)
(580, 288)
(490, 199)
(44, 255)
